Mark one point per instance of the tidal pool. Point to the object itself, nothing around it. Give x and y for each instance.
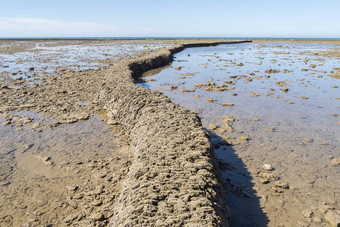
(286, 109)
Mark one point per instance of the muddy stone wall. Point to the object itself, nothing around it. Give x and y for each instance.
(173, 180)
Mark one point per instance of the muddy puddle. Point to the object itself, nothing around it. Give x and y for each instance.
(268, 103)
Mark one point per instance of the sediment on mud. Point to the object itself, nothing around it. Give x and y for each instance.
(173, 179)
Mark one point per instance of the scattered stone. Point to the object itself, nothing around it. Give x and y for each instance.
(31, 69)
(323, 143)
(267, 167)
(285, 90)
(302, 97)
(312, 66)
(97, 217)
(72, 188)
(227, 104)
(334, 86)
(256, 119)
(333, 218)
(307, 213)
(302, 224)
(281, 83)
(178, 68)
(272, 71)
(335, 162)
(70, 218)
(212, 127)
(308, 140)
(317, 219)
(240, 64)
(271, 129)
(210, 99)
(243, 138)
(279, 184)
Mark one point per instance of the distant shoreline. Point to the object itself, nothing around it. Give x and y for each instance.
(160, 38)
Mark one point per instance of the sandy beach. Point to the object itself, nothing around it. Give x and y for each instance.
(178, 132)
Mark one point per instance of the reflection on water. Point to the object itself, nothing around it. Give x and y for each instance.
(287, 105)
(47, 56)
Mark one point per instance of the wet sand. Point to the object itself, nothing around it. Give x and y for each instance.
(70, 135)
(54, 142)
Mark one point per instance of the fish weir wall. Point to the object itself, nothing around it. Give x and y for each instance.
(173, 179)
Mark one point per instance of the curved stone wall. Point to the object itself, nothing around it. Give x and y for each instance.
(173, 179)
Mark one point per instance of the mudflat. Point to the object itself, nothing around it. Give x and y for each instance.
(77, 132)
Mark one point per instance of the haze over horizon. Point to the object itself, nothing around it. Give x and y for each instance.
(150, 18)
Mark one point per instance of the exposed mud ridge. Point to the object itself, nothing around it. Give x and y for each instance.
(173, 179)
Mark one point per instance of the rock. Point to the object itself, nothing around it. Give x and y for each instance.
(333, 218)
(78, 196)
(323, 143)
(302, 224)
(178, 68)
(70, 218)
(272, 71)
(302, 97)
(308, 140)
(312, 66)
(227, 104)
(243, 138)
(264, 180)
(307, 213)
(212, 127)
(334, 86)
(111, 121)
(256, 119)
(284, 90)
(97, 217)
(210, 100)
(31, 69)
(335, 162)
(240, 64)
(281, 83)
(267, 167)
(317, 219)
(72, 188)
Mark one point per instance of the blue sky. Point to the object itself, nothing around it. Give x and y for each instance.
(185, 18)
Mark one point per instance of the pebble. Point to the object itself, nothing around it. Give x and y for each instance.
(302, 224)
(317, 219)
(227, 104)
(333, 218)
(72, 188)
(307, 213)
(210, 100)
(70, 218)
(97, 216)
(335, 162)
(308, 139)
(243, 138)
(267, 167)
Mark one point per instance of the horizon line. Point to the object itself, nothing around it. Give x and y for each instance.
(162, 37)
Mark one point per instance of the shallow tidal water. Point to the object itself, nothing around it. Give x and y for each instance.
(289, 118)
